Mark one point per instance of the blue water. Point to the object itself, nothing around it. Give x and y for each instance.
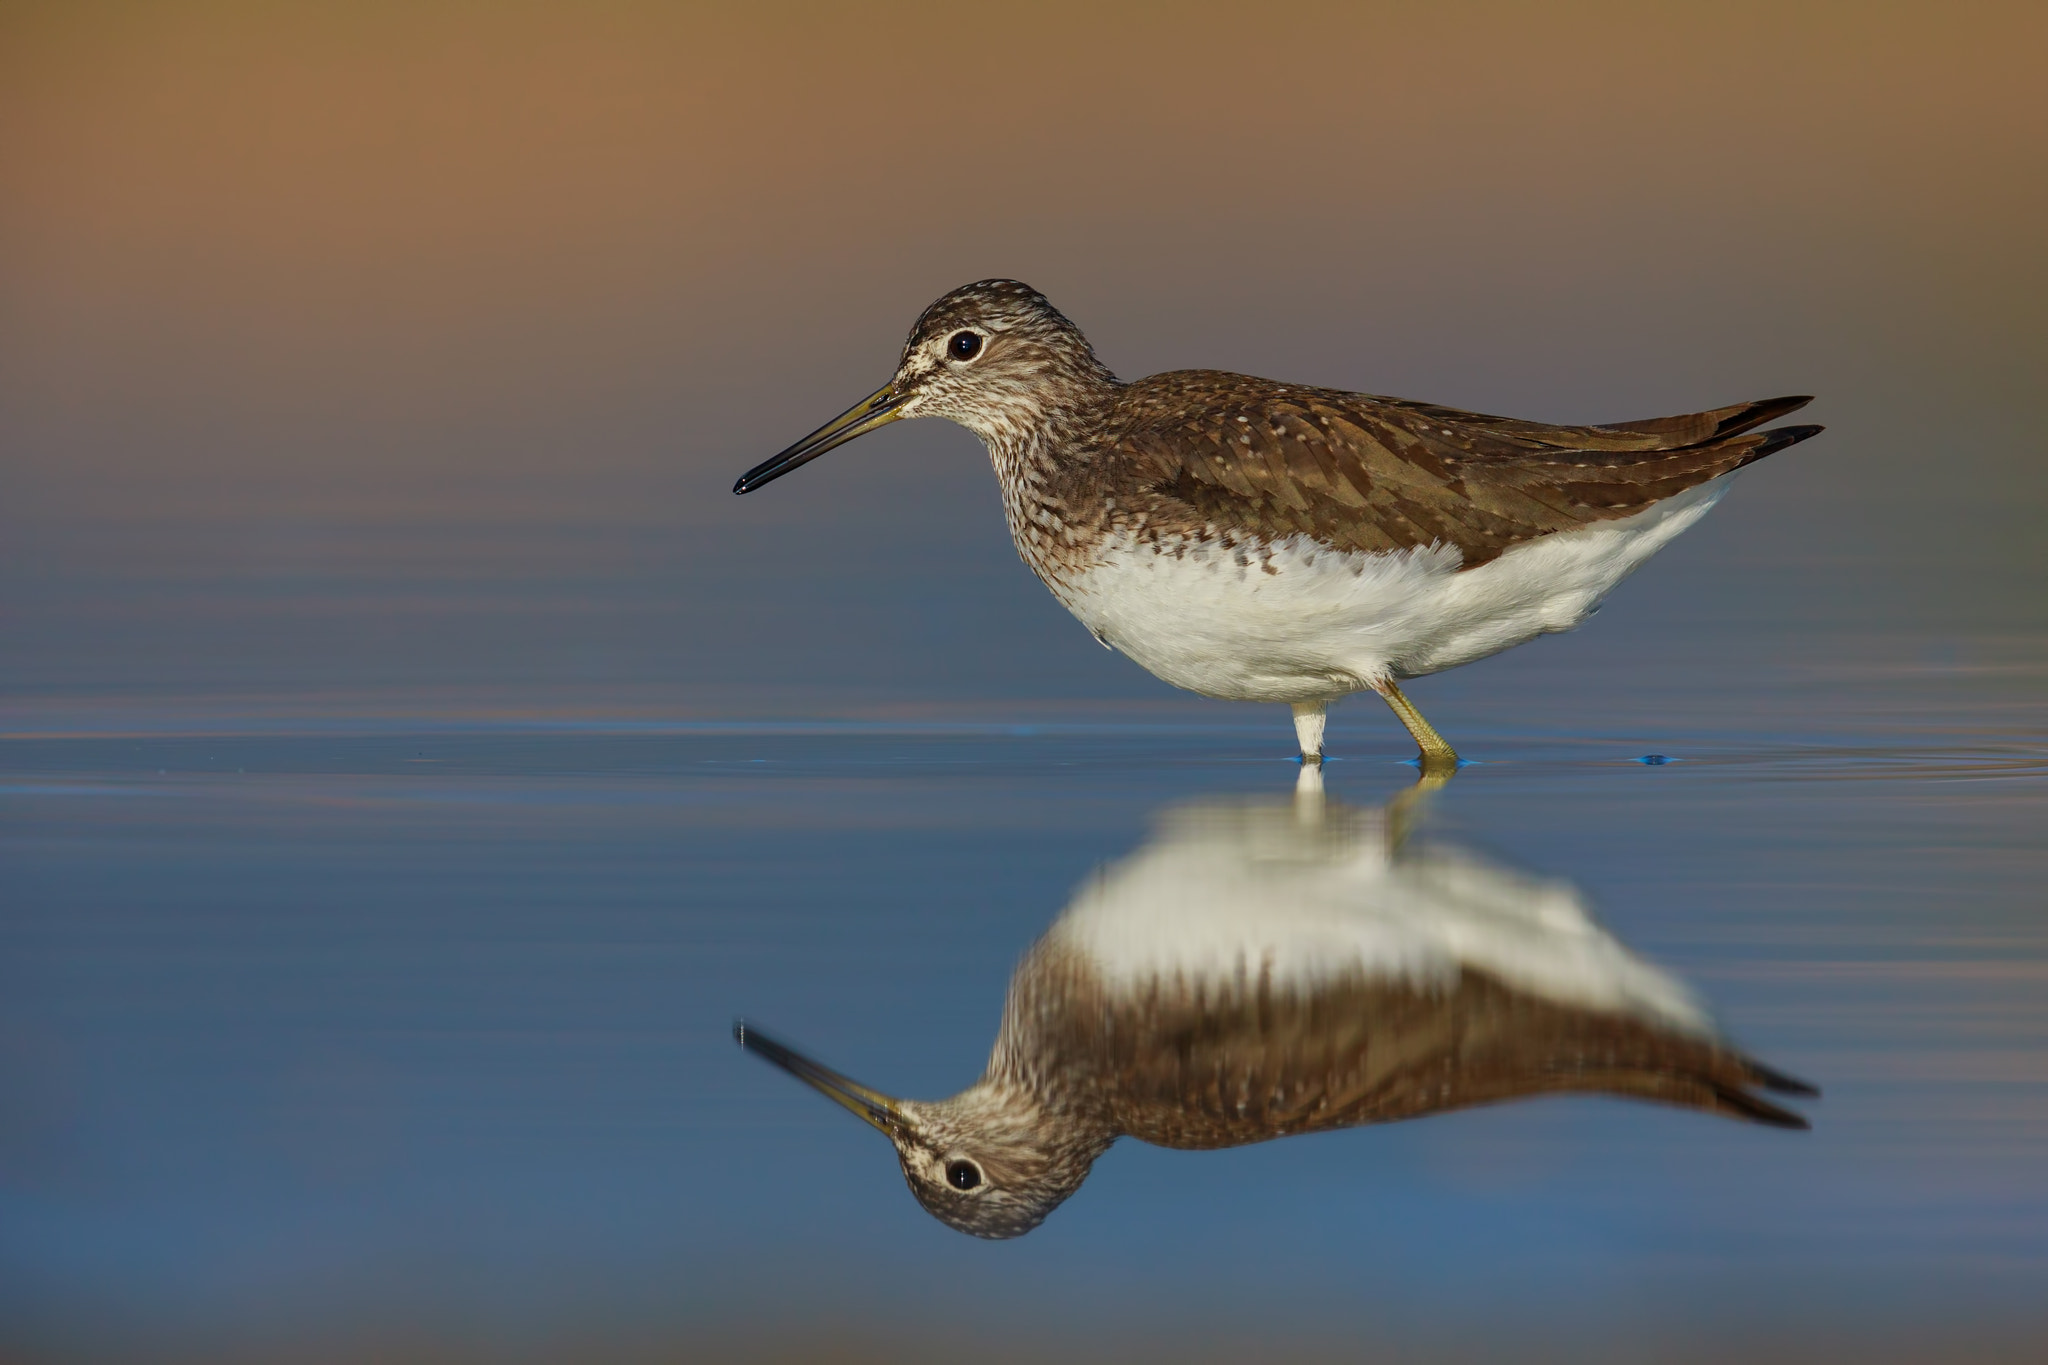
(338, 1023)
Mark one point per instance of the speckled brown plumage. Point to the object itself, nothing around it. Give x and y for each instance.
(1188, 1066)
(1192, 457)
(1201, 449)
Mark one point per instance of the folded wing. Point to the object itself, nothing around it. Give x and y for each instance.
(1358, 472)
(1221, 1071)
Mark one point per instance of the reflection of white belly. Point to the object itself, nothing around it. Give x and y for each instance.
(1327, 622)
(1226, 898)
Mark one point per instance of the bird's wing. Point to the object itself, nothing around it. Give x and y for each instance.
(1357, 472)
(1219, 1071)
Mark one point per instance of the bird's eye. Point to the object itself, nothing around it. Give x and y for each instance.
(963, 1175)
(964, 346)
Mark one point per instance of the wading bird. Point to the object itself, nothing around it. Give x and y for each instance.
(1258, 541)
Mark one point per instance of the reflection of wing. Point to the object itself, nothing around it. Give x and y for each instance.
(1247, 975)
(1358, 472)
(1219, 1067)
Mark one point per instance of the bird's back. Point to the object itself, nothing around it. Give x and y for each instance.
(1196, 455)
(1245, 1067)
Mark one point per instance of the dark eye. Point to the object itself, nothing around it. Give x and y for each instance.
(963, 1175)
(964, 346)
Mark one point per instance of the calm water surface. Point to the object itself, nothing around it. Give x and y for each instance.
(340, 1026)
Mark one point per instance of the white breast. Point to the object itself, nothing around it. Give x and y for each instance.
(1296, 621)
(1226, 893)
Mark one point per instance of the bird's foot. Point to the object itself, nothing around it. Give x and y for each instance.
(1438, 768)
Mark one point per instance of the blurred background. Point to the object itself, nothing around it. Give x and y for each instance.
(414, 754)
(355, 346)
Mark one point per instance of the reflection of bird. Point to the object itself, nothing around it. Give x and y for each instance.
(1259, 541)
(1259, 970)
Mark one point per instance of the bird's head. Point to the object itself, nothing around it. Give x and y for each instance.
(993, 356)
(989, 1161)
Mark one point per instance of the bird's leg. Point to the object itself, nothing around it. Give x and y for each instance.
(1308, 729)
(1437, 756)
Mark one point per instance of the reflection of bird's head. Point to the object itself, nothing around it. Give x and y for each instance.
(990, 1161)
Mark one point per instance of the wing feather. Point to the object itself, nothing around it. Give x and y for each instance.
(1359, 472)
(1211, 1070)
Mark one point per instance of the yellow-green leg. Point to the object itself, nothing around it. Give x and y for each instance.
(1437, 756)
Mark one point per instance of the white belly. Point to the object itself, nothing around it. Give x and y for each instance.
(1325, 622)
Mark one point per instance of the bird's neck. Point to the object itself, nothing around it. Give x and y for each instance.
(1035, 450)
(1047, 1046)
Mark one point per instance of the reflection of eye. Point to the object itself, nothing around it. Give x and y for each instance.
(963, 1175)
(964, 346)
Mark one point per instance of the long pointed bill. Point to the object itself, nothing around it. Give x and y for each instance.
(872, 1105)
(878, 409)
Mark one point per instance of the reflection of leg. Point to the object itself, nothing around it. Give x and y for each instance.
(1308, 794)
(1437, 755)
(1308, 728)
(1405, 809)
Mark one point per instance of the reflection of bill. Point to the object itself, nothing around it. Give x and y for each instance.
(1264, 968)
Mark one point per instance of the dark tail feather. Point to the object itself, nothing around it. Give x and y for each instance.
(1772, 441)
(1741, 1104)
(1701, 1074)
(1778, 1083)
(1692, 429)
(1752, 415)
(1739, 1101)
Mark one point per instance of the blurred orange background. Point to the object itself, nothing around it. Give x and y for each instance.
(397, 256)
